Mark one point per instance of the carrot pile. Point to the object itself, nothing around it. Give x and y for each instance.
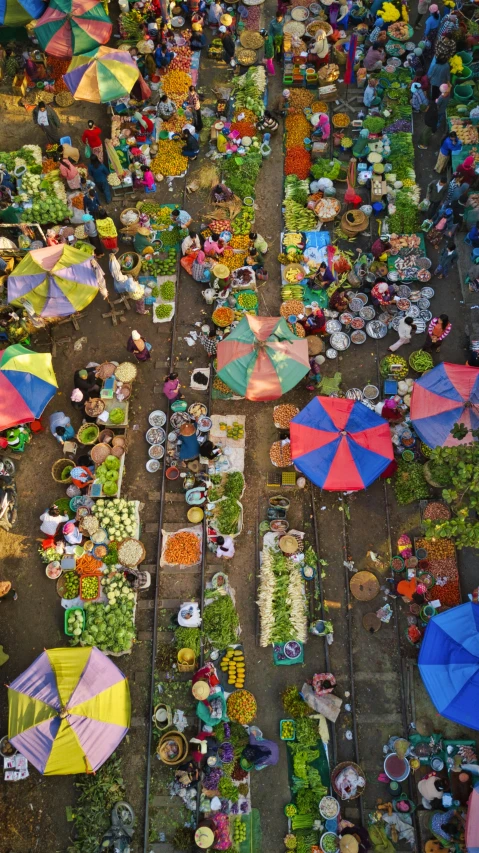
(87, 565)
(182, 549)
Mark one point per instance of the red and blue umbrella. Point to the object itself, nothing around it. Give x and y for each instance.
(446, 395)
(27, 384)
(340, 445)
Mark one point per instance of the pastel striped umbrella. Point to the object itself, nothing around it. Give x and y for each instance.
(70, 27)
(340, 445)
(16, 13)
(57, 281)
(446, 395)
(69, 710)
(262, 358)
(104, 74)
(27, 384)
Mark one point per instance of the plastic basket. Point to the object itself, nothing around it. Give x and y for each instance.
(281, 729)
(67, 613)
(82, 581)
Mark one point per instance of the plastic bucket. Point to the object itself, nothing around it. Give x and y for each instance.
(427, 612)
(466, 57)
(154, 83)
(465, 74)
(463, 92)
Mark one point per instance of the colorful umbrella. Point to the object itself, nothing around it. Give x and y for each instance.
(449, 663)
(27, 384)
(69, 710)
(471, 839)
(70, 27)
(262, 358)
(446, 395)
(340, 445)
(56, 281)
(103, 75)
(16, 13)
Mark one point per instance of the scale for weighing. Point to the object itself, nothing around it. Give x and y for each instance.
(108, 388)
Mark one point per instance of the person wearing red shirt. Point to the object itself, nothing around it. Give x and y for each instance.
(92, 136)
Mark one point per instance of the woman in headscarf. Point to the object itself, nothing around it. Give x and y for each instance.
(138, 346)
(467, 169)
(70, 173)
(261, 753)
(323, 128)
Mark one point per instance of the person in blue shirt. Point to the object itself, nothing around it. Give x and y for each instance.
(99, 173)
(163, 56)
(433, 21)
(91, 202)
(473, 237)
(449, 144)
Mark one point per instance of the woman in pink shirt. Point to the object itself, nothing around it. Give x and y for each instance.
(70, 173)
(148, 179)
(171, 387)
(214, 247)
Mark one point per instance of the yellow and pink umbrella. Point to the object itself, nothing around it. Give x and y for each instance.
(103, 75)
(69, 710)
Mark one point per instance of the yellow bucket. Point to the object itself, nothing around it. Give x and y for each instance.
(195, 514)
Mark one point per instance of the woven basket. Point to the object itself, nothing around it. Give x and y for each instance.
(123, 561)
(251, 40)
(337, 770)
(57, 469)
(83, 429)
(315, 345)
(64, 99)
(100, 452)
(162, 749)
(106, 436)
(129, 210)
(106, 369)
(94, 407)
(245, 57)
(119, 441)
(134, 271)
(117, 451)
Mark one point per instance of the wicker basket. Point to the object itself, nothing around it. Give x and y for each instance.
(57, 469)
(315, 345)
(119, 441)
(106, 369)
(123, 561)
(245, 57)
(117, 451)
(83, 429)
(337, 770)
(162, 749)
(94, 407)
(100, 452)
(129, 210)
(251, 40)
(135, 270)
(106, 436)
(64, 99)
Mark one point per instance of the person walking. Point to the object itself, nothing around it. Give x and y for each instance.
(91, 232)
(438, 329)
(46, 119)
(442, 102)
(228, 46)
(92, 137)
(106, 230)
(194, 104)
(449, 144)
(268, 48)
(91, 202)
(433, 21)
(99, 173)
(171, 386)
(422, 8)
(439, 74)
(70, 173)
(430, 125)
(436, 194)
(405, 329)
(138, 346)
(447, 259)
(276, 28)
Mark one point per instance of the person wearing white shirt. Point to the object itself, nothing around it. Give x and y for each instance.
(405, 329)
(50, 519)
(226, 547)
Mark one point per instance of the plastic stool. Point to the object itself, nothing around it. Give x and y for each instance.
(467, 240)
(65, 139)
(37, 426)
(475, 256)
(152, 190)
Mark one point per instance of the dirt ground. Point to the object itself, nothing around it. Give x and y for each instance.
(32, 814)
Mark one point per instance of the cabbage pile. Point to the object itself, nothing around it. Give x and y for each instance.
(107, 474)
(117, 517)
(109, 627)
(75, 623)
(117, 589)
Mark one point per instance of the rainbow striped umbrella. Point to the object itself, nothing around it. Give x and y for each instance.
(103, 75)
(70, 27)
(69, 710)
(262, 358)
(16, 13)
(57, 281)
(27, 384)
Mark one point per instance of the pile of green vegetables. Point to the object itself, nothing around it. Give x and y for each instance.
(406, 219)
(297, 217)
(163, 311)
(402, 157)
(109, 627)
(117, 416)
(118, 517)
(98, 793)
(228, 513)
(307, 785)
(107, 474)
(234, 485)
(241, 173)
(296, 189)
(220, 622)
(375, 124)
(324, 168)
(167, 291)
(188, 638)
(409, 483)
(160, 266)
(243, 221)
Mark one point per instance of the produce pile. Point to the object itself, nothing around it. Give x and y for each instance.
(109, 627)
(182, 548)
(248, 91)
(281, 600)
(220, 621)
(169, 160)
(441, 556)
(118, 517)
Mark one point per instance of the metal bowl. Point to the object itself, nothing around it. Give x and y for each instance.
(371, 392)
(156, 451)
(333, 326)
(404, 291)
(346, 318)
(354, 394)
(340, 341)
(152, 466)
(155, 435)
(426, 316)
(331, 353)
(356, 304)
(376, 329)
(157, 418)
(358, 336)
(367, 313)
(428, 292)
(423, 303)
(413, 311)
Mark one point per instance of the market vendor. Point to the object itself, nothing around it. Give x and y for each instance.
(323, 128)
(82, 476)
(198, 38)
(431, 789)
(85, 379)
(221, 193)
(189, 446)
(166, 108)
(191, 147)
(380, 247)
(71, 533)
(225, 547)
(70, 173)
(315, 323)
(318, 53)
(339, 301)
(171, 386)
(383, 293)
(7, 180)
(261, 752)
(214, 246)
(370, 97)
(52, 237)
(191, 243)
(68, 152)
(255, 260)
(258, 242)
(18, 438)
(51, 520)
(323, 278)
(268, 124)
(210, 450)
(163, 57)
(447, 826)
(60, 427)
(200, 268)
(180, 218)
(373, 61)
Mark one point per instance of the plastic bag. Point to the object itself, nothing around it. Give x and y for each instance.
(87, 151)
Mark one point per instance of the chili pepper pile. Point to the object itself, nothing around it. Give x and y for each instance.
(441, 556)
(297, 162)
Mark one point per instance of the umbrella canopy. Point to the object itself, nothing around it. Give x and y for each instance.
(340, 444)
(262, 358)
(70, 27)
(16, 13)
(472, 821)
(446, 395)
(56, 281)
(69, 710)
(449, 663)
(103, 75)
(27, 384)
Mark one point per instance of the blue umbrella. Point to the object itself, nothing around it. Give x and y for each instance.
(449, 663)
